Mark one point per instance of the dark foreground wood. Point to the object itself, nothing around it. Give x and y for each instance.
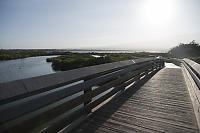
(161, 105)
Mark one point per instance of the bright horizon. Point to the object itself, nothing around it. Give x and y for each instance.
(141, 25)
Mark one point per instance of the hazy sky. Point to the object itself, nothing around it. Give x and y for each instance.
(99, 24)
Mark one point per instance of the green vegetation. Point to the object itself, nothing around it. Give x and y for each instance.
(189, 50)
(24, 53)
(77, 60)
(71, 61)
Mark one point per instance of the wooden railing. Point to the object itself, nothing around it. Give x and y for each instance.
(194, 69)
(51, 102)
(191, 70)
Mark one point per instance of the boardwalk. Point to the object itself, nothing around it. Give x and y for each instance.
(161, 105)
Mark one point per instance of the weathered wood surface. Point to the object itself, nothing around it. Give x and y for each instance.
(194, 69)
(195, 66)
(161, 105)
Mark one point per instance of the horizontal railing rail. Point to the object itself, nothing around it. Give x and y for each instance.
(56, 100)
(36, 85)
(191, 71)
(194, 70)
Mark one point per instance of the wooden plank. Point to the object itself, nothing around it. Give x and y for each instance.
(194, 74)
(41, 116)
(20, 107)
(104, 97)
(193, 65)
(118, 81)
(159, 126)
(11, 89)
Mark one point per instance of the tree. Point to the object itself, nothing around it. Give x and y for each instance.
(191, 49)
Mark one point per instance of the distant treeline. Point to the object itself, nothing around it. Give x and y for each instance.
(191, 49)
(187, 50)
(24, 53)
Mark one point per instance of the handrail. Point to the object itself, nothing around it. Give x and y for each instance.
(35, 85)
(53, 109)
(191, 71)
(194, 70)
(193, 65)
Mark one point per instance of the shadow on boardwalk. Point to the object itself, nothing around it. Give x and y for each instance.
(96, 120)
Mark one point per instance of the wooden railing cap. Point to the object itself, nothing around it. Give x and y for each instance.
(50, 81)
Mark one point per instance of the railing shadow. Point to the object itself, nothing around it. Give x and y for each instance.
(126, 95)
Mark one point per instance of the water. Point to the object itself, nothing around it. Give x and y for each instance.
(24, 68)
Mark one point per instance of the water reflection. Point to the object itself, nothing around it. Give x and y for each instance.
(24, 68)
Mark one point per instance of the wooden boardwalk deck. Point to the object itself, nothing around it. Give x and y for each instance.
(161, 105)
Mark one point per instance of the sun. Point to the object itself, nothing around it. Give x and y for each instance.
(157, 13)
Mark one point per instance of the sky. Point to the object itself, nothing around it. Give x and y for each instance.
(147, 25)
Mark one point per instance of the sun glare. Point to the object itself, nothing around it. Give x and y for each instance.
(157, 13)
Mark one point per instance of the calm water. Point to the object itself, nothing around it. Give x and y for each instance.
(24, 68)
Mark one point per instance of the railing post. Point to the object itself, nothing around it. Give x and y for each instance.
(157, 64)
(137, 78)
(154, 66)
(147, 72)
(88, 90)
(161, 64)
(123, 87)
